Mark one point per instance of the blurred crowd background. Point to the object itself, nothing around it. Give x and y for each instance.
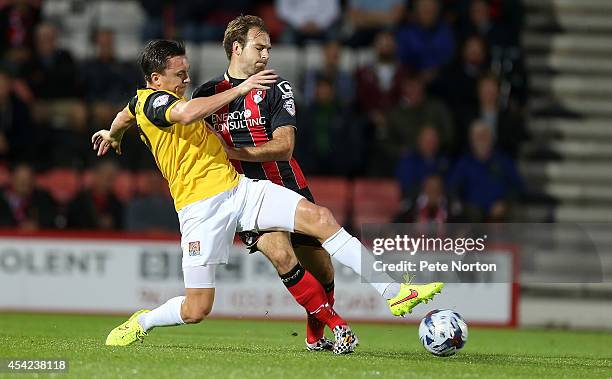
(425, 111)
(410, 110)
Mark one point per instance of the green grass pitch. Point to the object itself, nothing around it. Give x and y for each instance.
(270, 349)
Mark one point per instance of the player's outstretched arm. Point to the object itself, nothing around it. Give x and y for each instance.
(103, 140)
(198, 108)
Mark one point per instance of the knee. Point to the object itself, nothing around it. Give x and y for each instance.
(324, 218)
(196, 314)
(319, 222)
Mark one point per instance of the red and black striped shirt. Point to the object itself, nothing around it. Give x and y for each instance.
(250, 121)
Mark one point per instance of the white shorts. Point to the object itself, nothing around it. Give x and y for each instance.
(199, 276)
(208, 226)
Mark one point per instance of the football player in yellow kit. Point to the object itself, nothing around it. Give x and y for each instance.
(213, 201)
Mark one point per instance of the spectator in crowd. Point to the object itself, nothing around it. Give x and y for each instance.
(379, 84)
(109, 81)
(510, 14)
(507, 126)
(160, 21)
(22, 205)
(51, 72)
(330, 138)
(330, 70)
(266, 9)
(485, 180)
(55, 85)
(205, 20)
(97, 207)
(368, 18)
(151, 210)
(499, 24)
(458, 83)
(309, 20)
(430, 206)
(18, 20)
(418, 164)
(426, 43)
(480, 23)
(17, 135)
(43, 97)
(415, 109)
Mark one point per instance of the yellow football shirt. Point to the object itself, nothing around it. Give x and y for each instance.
(190, 156)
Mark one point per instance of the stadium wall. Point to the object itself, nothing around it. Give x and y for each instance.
(118, 273)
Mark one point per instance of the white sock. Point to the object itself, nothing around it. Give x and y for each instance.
(166, 314)
(347, 250)
(391, 290)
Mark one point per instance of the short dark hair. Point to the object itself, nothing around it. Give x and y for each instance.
(156, 53)
(237, 30)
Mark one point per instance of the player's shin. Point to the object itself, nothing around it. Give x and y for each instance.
(167, 314)
(350, 252)
(309, 293)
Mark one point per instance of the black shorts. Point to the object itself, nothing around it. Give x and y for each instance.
(250, 237)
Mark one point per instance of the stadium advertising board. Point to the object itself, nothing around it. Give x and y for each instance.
(116, 275)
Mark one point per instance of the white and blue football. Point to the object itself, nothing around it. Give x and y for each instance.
(443, 332)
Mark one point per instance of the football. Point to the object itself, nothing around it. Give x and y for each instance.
(443, 332)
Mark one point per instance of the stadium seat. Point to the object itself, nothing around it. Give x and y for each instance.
(364, 56)
(124, 185)
(313, 56)
(87, 178)
(195, 56)
(72, 18)
(124, 17)
(63, 184)
(375, 201)
(128, 46)
(288, 63)
(143, 183)
(214, 62)
(332, 193)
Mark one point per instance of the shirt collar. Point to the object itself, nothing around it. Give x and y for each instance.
(232, 80)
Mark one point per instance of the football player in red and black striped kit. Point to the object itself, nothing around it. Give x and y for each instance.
(259, 134)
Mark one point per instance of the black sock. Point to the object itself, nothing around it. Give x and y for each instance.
(293, 276)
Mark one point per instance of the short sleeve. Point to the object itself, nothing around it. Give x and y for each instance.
(282, 107)
(157, 108)
(132, 105)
